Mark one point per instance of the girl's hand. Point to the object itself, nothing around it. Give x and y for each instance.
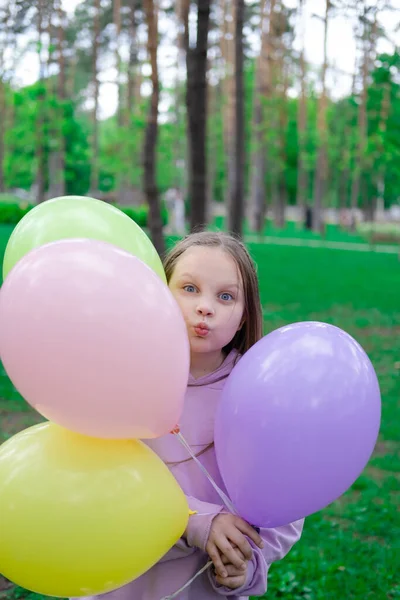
(236, 577)
(227, 538)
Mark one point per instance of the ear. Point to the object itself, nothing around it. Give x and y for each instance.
(242, 322)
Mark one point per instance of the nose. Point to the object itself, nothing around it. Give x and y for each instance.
(205, 309)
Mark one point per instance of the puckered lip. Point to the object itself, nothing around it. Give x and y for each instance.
(202, 325)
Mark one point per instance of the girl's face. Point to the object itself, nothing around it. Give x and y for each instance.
(208, 287)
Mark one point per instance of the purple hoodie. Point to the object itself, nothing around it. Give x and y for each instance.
(188, 556)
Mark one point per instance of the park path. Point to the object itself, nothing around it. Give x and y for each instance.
(355, 246)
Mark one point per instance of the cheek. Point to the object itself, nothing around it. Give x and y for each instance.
(183, 303)
(233, 318)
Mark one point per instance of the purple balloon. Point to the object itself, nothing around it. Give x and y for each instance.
(297, 423)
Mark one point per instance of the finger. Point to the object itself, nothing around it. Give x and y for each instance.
(225, 560)
(225, 548)
(233, 571)
(250, 532)
(232, 583)
(243, 546)
(215, 556)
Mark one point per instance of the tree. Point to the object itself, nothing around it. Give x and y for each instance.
(133, 60)
(181, 142)
(321, 171)
(227, 48)
(41, 100)
(196, 101)
(282, 42)
(263, 90)
(150, 145)
(345, 142)
(369, 36)
(302, 172)
(4, 24)
(57, 95)
(94, 177)
(236, 212)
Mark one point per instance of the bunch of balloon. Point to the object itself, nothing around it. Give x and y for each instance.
(92, 338)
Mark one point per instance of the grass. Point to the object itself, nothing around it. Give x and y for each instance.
(332, 232)
(350, 550)
(9, 199)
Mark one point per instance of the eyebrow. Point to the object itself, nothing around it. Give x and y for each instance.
(224, 286)
(231, 285)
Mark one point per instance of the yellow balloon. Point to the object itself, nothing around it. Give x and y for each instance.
(79, 217)
(82, 516)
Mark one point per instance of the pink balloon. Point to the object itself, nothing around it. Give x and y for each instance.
(94, 340)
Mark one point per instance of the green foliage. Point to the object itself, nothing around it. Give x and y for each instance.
(121, 146)
(9, 199)
(11, 213)
(23, 137)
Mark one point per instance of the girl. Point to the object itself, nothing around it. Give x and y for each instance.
(213, 279)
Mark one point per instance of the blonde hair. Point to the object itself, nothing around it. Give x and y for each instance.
(251, 331)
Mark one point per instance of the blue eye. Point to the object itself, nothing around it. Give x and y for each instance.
(226, 297)
(189, 288)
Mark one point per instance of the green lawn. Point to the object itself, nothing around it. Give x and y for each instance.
(351, 550)
(332, 232)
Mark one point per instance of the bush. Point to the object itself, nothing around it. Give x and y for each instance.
(9, 199)
(380, 232)
(12, 211)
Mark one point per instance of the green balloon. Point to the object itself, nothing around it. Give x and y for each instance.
(79, 217)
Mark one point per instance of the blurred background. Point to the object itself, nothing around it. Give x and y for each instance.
(276, 119)
(269, 108)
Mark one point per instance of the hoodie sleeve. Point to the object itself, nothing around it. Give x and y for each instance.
(277, 543)
(197, 531)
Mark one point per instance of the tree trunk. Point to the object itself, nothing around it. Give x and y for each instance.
(384, 115)
(126, 106)
(281, 197)
(150, 145)
(118, 61)
(369, 41)
(236, 213)
(302, 172)
(94, 174)
(345, 173)
(197, 116)
(321, 171)
(378, 166)
(133, 62)
(7, 108)
(180, 142)
(212, 108)
(263, 88)
(362, 136)
(62, 96)
(40, 118)
(122, 175)
(182, 9)
(2, 132)
(3, 107)
(228, 111)
(369, 204)
(56, 177)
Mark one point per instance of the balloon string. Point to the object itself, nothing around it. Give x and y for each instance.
(220, 493)
(183, 588)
